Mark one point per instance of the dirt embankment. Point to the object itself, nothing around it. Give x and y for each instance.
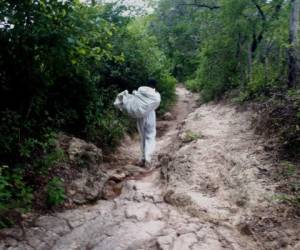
(222, 175)
(211, 190)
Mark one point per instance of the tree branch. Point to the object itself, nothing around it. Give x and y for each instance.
(262, 14)
(278, 8)
(201, 5)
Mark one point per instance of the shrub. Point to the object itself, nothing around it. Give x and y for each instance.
(55, 192)
(193, 85)
(61, 65)
(14, 193)
(279, 118)
(190, 136)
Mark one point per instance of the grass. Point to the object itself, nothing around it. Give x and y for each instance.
(190, 136)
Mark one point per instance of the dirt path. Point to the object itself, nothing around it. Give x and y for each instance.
(204, 194)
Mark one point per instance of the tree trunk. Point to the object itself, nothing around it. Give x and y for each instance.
(250, 57)
(293, 64)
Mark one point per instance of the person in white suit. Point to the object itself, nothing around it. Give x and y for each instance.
(147, 131)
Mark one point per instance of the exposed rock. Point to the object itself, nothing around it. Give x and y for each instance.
(111, 190)
(187, 228)
(297, 246)
(164, 242)
(54, 224)
(83, 153)
(143, 212)
(164, 160)
(177, 199)
(161, 128)
(87, 180)
(168, 117)
(185, 242)
(88, 187)
(244, 229)
(117, 177)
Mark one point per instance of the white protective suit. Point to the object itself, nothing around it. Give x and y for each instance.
(147, 130)
(141, 105)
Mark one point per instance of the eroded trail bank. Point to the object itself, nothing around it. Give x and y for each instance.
(209, 191)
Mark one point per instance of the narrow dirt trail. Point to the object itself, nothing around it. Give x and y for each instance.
(200, 196)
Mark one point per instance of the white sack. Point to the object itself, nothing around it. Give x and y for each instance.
(139, 103)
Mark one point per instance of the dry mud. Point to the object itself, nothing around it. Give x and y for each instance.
(208, 192)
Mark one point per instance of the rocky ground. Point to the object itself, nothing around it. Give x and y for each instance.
(211, 190)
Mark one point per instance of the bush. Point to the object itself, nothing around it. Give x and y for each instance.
(14, 193)
(167, 90)
(142, 60)
(190, 136)
(55, 192)
(280, 118)
(193, 85)
(61, 65)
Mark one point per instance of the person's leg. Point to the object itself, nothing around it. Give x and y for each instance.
(141, 128)
(150, 134)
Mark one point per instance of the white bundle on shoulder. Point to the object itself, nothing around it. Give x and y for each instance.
(139, 103)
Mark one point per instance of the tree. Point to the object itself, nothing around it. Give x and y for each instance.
(293, 60)
(61, 65)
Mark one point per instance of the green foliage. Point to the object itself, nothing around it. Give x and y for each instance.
(291, 199)
(167, 91)
(179, 29)
(214, 75)
(61, 65)
(190, 136)
(143, 60)
(55, 192)
(280, 118)
(43, 165)
(236, 48)
(193, 85)
(291, 187)
(289, 169)
(239, 45)
(13, 190)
